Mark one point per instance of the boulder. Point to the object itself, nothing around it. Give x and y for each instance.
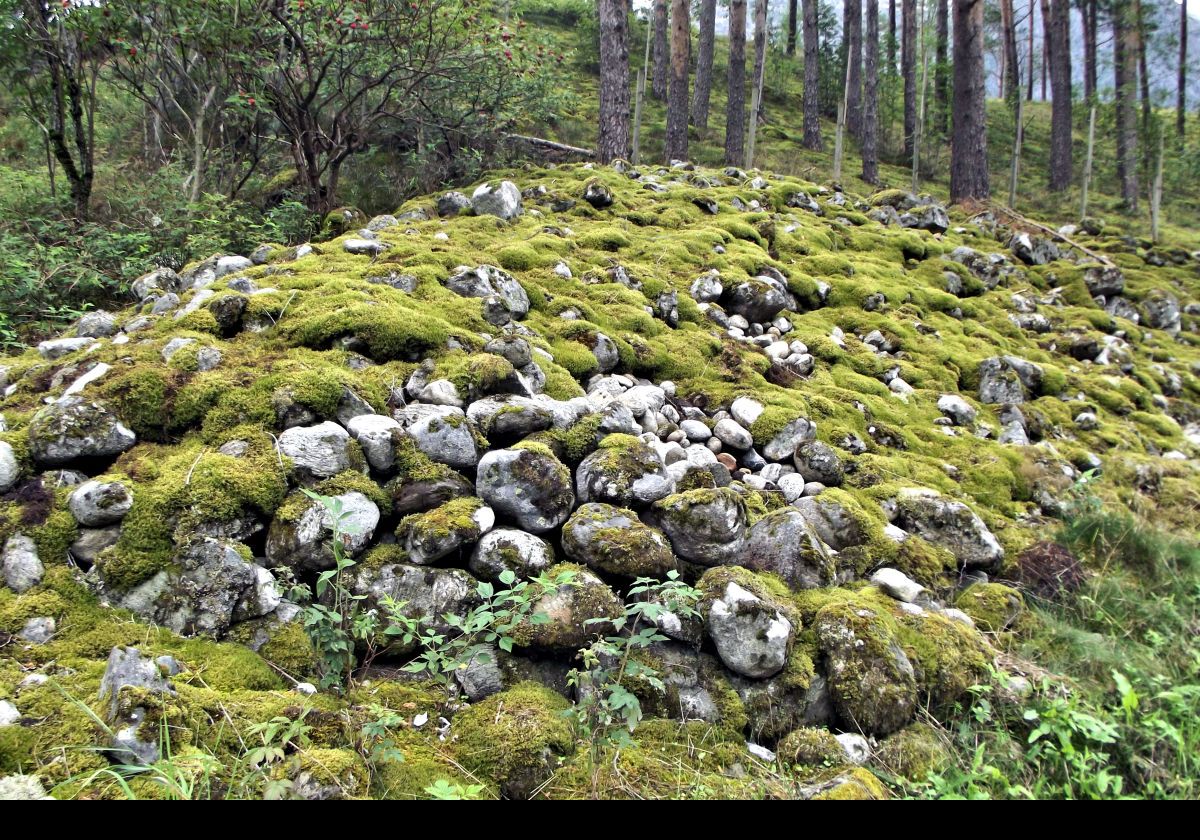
(624, 471)
(501, 199)
(300, 533)
(95, 503)
(751, 636)
(124, 712)
(507, 549)
(442, 432)
(951, 525)
(529, 486)
(320, 451)
(705, 526)
(75, 429)
(486, 281)
(785, 544)
(614, 541)
(20, 564)
(428, 537)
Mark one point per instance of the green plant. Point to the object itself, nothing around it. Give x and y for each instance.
(607, 710)
(442, 789)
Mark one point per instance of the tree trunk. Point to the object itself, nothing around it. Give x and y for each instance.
(677, 104)
(870, 127)
(735, 115)
(812, 78)
(704, 65)
(1029, 63)
(1045, 44)
(1012, 67)
(658, 85)
(793, 6)
(1059, 36)
(968, 149)
(1125, 75)
(1143, 76)
(1181, 95)
(761, 26)
(941, 73)
(892, 41)
(614, 81)
(1087, 10)
(852, 27)
(908, 71)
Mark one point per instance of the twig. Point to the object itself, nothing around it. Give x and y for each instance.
(1025, 221)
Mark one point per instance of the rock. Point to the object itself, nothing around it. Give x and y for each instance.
(38, 630)
(56, 348)
(507, 549)
(871, 679)
(695, 430)
(612, 540)
(509, 416)
(705, 526)
(782, 445)
(376, 434)
(1104, 281)
(21, 788)
(320, 451)
(92, 541)
(752, 637)
(836, 526)
(961, 412)
(124, 712)
(1162, 311)
(1033, 250)
(785, 544)
(365, 247)
(95, 504)
(299, 536)
(951, 525)
(97, 324)
(452, 203)
(76, 428)
(606, 353)
(899, 586)
(730, 433)
(10, 469)
(576, 611)
(855, 746)
(9, 715)
(817, 461)
(759, 299)
(746, 411)
(624, 471)
(210, 587)
(528, 486)
(444, 433)
(707, 288)
(932, 218)
(427, 594)
(502, 200)
(486, 281)
(444, 530)
(1008, 379)
(597, 194)
(20, 563)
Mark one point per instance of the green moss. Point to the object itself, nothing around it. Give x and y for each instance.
(811, 747)
(515, 738)
(993, 607)
(913, 753)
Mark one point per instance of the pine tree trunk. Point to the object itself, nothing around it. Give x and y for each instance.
(968, 150)
(735, 116)
(1029, 63)
(677, 104)
(793, 8)
(941, 73)
(1059, 36)
(1012, 65)
(1125, 75)
(761, 25)
(908, 71)
(1087, 11)
(852, 27)
(812, 103)
(1143, 74)
(870, 126)
(1045, 44)
(1181, 96)
(661, 51)
(892, 41)
(614, 81)
(704, 65)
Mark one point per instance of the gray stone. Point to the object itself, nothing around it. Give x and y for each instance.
(486, 281)
(10, 469)
(22, 789)
(782, 446)
(1008, 379)
(322, 451)
(427, 594)
(452, 203)
(507, 549)
(303, 542)
(38, 630)
(817, 461)
(1104, 281)
(97, 324)
(376, 434)
(531, 488)
(951, 525)
(95, 504)
(501, 199)
(127, 668)
(428, 537)
(730, 433)
(92, 541)
(705, 526)
(76, 428)
(20, 563)
(759, 299)
(510, 415)
(785, 544)
(751, 636)
(899, 585)
(625, 472)
(614, 541)
(957, 409)
(56, 348)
